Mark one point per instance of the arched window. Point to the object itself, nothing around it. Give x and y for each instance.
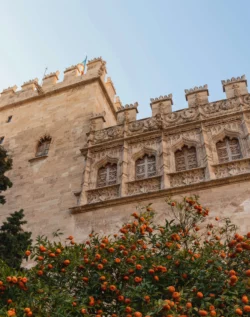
(145, 167)
(107, 175)
(185, 158)
(228, 150)
(43, 146)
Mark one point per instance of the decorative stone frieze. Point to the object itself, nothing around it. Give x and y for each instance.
(232, 168)
(144, 185)
(188, 177)
(103, 194)
(108, 134)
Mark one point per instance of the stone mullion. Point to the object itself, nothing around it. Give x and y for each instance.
(86, 178)
(164, 168)
(207, 154)
(246, 129)
(124, 170)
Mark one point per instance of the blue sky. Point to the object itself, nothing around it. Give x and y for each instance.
(152, 47)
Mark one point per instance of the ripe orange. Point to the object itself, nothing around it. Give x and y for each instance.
(246, 309)
(189, 305)
(137, 314)
(200, 295)
(203, 312)
(238, 311)
(27, 253)
(171, 289)
(128, 309)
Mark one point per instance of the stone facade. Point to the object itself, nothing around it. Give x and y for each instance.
(83, 162)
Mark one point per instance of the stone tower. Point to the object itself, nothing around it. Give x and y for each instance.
(83, 162)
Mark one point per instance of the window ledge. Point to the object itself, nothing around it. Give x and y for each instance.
(142, 179)
(38, 158)
(230, 162)
(184, 171)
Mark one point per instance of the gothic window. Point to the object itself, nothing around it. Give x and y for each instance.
(107, 175)
(185, 158)
(43, 146)
(145, 167)
(228, 150)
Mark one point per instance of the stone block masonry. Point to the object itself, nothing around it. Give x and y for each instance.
(82, 161)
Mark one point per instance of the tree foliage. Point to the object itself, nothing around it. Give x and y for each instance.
(5, 165)
(188, 266)
(14, 241)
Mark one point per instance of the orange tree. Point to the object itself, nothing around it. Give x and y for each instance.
(184, 267)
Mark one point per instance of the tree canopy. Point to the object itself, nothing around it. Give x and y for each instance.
(189, 266)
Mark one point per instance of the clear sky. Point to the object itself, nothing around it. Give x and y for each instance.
(152, 47)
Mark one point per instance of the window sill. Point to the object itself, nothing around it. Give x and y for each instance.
(184, 171)
(38, 158)
(230, 162)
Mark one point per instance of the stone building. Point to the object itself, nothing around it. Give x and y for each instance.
(83, 162)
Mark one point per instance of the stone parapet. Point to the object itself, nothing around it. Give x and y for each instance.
(197, 96)
(161, 105)
(236, 86)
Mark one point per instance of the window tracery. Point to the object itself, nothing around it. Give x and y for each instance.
(228, 150)
(145, 167)
(186, 158)
(107, 175)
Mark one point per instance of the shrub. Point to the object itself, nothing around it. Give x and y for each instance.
(184, 267)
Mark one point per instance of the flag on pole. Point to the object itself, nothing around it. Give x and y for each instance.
(84, 64)
(85, 61)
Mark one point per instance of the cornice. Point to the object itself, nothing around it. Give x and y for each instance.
(161, 193)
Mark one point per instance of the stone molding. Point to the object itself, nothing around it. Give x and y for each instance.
(184, 178)
(162, 193)
(232, 168)
(145, 185)
(103, 193)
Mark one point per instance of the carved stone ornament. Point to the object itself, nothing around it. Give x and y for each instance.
(103, 194)
(144, 185)
(224, 106)
(232, 168)
(193, 176)
(185, 115)
(108, 134)
(150, 124)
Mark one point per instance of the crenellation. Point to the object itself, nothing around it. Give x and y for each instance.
(9, 91)
(117, 103)
(97, 67)
(50, 79)
(127, 113)
(73, 71)
(235, 86)
(110, 88)
(30, 84)
(161, 105)
(197, 96)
